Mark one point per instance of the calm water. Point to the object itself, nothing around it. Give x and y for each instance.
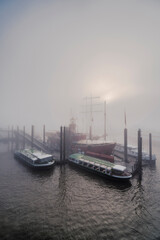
(66, 203)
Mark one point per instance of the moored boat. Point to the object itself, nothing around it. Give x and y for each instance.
(133, 153)
(106, 157)
(35, 159)
(96, 146)
(100, 167)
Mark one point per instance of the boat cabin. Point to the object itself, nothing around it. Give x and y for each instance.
(118, 169)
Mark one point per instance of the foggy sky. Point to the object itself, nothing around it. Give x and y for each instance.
(53, 54)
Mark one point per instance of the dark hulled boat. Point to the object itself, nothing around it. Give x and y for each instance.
(100, 167)
(35, 159)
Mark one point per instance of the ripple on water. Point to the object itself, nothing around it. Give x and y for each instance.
(66, 203)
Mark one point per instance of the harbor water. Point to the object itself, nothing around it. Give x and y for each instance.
(68, 203)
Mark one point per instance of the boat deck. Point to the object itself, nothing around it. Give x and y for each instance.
(100, 167)
(93, 160)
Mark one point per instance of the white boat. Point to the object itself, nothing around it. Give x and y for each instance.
(35, 159)
(132, 152)
(100, 167)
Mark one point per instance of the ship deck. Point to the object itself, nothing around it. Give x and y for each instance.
(93, 160)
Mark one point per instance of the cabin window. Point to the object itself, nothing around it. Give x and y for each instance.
(108, 170)
(101, 168)
(90, 165)
(116, 172)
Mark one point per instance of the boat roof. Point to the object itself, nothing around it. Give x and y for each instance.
(41, 155)
(35, 154)
(98, 162)
(92, 160)
(129, 146)
(119, 167)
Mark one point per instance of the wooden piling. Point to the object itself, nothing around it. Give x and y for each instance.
(150, 146)
(12, 138)
(64, 145)
(8, 134)
(61, 142)
(44, 134)
(140, 166)
(104, 120)
(139, 152)
(32, 136)
(8, 138)
(24, 137)
(17, 139)
(125, 145)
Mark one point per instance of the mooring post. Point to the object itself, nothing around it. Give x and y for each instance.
(61, 142)
(24, 137)
(44, 134)
(104, 120)
(8, 138)
(17, 138)
(12, 138)
(138, 141)
(64, 144)
(139, 152)
(32, 136)
(150, 146)
(8, 133)
(140, 170)
(125, 145)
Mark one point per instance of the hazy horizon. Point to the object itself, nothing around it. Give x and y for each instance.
(56, 53)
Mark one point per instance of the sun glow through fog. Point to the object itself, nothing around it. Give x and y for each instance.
(61, 53)
(111, 90)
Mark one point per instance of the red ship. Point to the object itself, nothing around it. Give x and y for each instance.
(93, 146)
(109, 158)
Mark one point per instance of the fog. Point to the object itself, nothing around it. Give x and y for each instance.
(53, 54)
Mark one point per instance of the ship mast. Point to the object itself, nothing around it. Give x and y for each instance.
(91, 115)
(105, 121)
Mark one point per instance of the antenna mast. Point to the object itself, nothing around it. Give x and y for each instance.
(105, 121)
(91, 114)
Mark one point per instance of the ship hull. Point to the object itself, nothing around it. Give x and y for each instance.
(105, 148)
(93, 168)
(22, 159)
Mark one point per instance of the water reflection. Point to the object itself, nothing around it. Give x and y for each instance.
(69, 203)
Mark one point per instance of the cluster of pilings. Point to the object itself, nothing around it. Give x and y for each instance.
(137, 168)
(21, 137)
(32, 135)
